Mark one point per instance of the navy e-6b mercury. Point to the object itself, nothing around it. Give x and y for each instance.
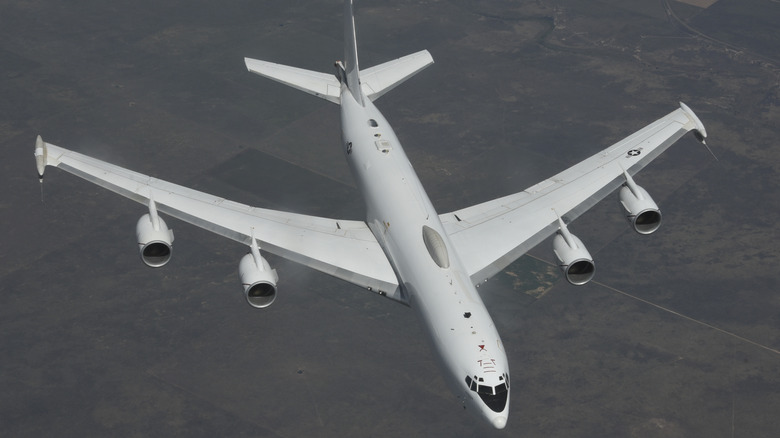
(404, 249)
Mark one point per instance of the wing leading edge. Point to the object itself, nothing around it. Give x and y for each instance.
(342, 248)
(490, 236)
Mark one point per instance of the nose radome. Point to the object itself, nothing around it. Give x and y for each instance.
(499, 422)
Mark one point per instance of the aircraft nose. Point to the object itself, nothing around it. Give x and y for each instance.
(499, 422)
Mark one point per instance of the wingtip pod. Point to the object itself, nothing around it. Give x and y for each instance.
(40, 156)
(701, 133)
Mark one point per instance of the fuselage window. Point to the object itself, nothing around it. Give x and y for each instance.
(372, 123)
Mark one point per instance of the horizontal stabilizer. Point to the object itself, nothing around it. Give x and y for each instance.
(321, 85)
(378, 80)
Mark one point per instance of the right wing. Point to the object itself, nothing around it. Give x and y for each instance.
(490, 236)
(344, 249)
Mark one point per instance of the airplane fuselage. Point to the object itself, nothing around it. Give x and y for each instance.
(432, 279)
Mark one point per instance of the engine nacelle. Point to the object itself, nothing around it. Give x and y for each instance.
(640, 209)
(154, 242)
(258, 279)
(573, 258)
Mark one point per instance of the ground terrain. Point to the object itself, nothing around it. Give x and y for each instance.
(678, 336)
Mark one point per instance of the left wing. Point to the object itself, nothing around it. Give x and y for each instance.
(342, 248)
(490, 236)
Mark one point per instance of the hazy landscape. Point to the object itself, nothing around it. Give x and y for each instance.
(677, 336)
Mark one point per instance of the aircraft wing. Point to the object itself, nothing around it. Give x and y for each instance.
(490, 236)
(342, 248)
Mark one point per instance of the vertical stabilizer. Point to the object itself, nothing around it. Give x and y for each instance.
(350, 53)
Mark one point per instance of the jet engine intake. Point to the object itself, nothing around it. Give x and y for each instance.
(154, 240)
(573, 258)
(640, 209)
(258, 279)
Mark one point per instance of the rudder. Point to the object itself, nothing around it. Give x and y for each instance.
(352, 72)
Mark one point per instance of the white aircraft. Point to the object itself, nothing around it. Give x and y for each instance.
(404, 250)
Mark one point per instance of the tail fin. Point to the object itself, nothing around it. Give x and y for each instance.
(379, 79)
(372, 83)
(351, 70)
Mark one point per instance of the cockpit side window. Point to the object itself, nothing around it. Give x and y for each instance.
(471, 383)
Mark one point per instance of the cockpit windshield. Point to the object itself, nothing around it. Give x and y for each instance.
(495, 397)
